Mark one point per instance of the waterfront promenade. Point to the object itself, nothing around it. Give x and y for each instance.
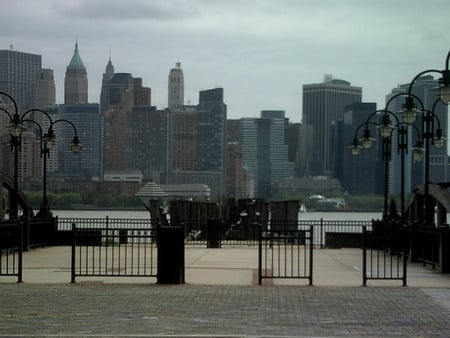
(221, 298)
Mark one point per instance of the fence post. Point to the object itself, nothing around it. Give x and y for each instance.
(364, 259)
(405, 253)
(311, 253)
(74, 243)
(259, 254)
(322, 244)
(444, 246)
(20, 262)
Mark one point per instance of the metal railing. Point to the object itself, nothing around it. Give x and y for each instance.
(326, 232)
(385, 254)
(426, 241)
(11, 248)
(285, 253)
(112, 248)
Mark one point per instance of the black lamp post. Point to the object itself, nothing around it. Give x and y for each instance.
(430, 135)
(47, 140)
(15, 130)
(386, 129)
(47, 143)
(410, 111)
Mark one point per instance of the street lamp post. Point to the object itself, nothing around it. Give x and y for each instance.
(386, 129)
(47, 140)
(410, 110)
(47, 143)
(15, 130)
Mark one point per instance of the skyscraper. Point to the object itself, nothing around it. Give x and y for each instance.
(176, 88)
(87, 164)
(264, 150)
(212, 117)
(45, 89)
(76, 81)
(147, 142)
(323, 103)
(362, 174)
(18, 76)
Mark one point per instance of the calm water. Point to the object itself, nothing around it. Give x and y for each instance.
(140, 214)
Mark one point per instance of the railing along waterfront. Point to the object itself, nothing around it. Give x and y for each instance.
(11, 248)
(332, 233)
(111, 247)
(285, 253)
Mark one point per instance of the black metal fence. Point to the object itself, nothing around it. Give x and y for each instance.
(112, 247)
(385, 253)
(285, 253)
(327, 233)
(425, 241)
(11, 248)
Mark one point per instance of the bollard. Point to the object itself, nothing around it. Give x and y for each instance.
(444, 247)
(170, 255)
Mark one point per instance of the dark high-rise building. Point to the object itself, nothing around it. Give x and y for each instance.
(147, 142)
(184, 138)
(323, 103)
(18, 77)
(212, 116)
(362, 174)
(142, 95)
(45, 93)
(87, 164)
(120, 93)
(76, 81)
(211, 119)
(264, 150)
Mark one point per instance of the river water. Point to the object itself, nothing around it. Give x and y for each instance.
(141, 214)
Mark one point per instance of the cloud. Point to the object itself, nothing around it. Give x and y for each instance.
(120, 10)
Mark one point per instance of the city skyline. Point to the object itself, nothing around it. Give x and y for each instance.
(260, 53)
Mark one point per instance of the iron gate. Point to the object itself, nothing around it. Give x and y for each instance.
(385, 253)
(113, 248)
(11, 248)
(285, 252)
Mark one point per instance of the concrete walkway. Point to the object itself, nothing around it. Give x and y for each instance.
(221, 300)
(230, 266)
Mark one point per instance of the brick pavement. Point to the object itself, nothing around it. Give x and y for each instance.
(97, 309)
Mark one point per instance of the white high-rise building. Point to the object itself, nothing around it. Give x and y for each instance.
(176, 88)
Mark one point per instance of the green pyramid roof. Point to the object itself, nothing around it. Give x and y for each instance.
(76, 62)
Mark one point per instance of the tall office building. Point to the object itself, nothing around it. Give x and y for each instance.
(176, 88)
(18, 76)
(264, 150)
(147, 142)
(212, 117)
(142, 95)
(425, 89)
(120, 93)
(76, 81)
(87, 164)
(45, 93)
(323, 103)
(362, 174)
(184, 138)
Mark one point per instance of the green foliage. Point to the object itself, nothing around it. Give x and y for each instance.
(366, 202)
(72, 200)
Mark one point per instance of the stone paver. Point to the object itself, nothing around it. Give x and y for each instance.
(221, 299)
(95, 309)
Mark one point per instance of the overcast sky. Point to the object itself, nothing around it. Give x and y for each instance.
(260, 52)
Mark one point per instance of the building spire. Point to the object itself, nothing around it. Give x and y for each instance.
(76, 62)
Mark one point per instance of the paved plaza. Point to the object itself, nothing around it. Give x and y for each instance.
(221, 299)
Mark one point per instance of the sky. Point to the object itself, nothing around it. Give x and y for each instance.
(261, 52)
